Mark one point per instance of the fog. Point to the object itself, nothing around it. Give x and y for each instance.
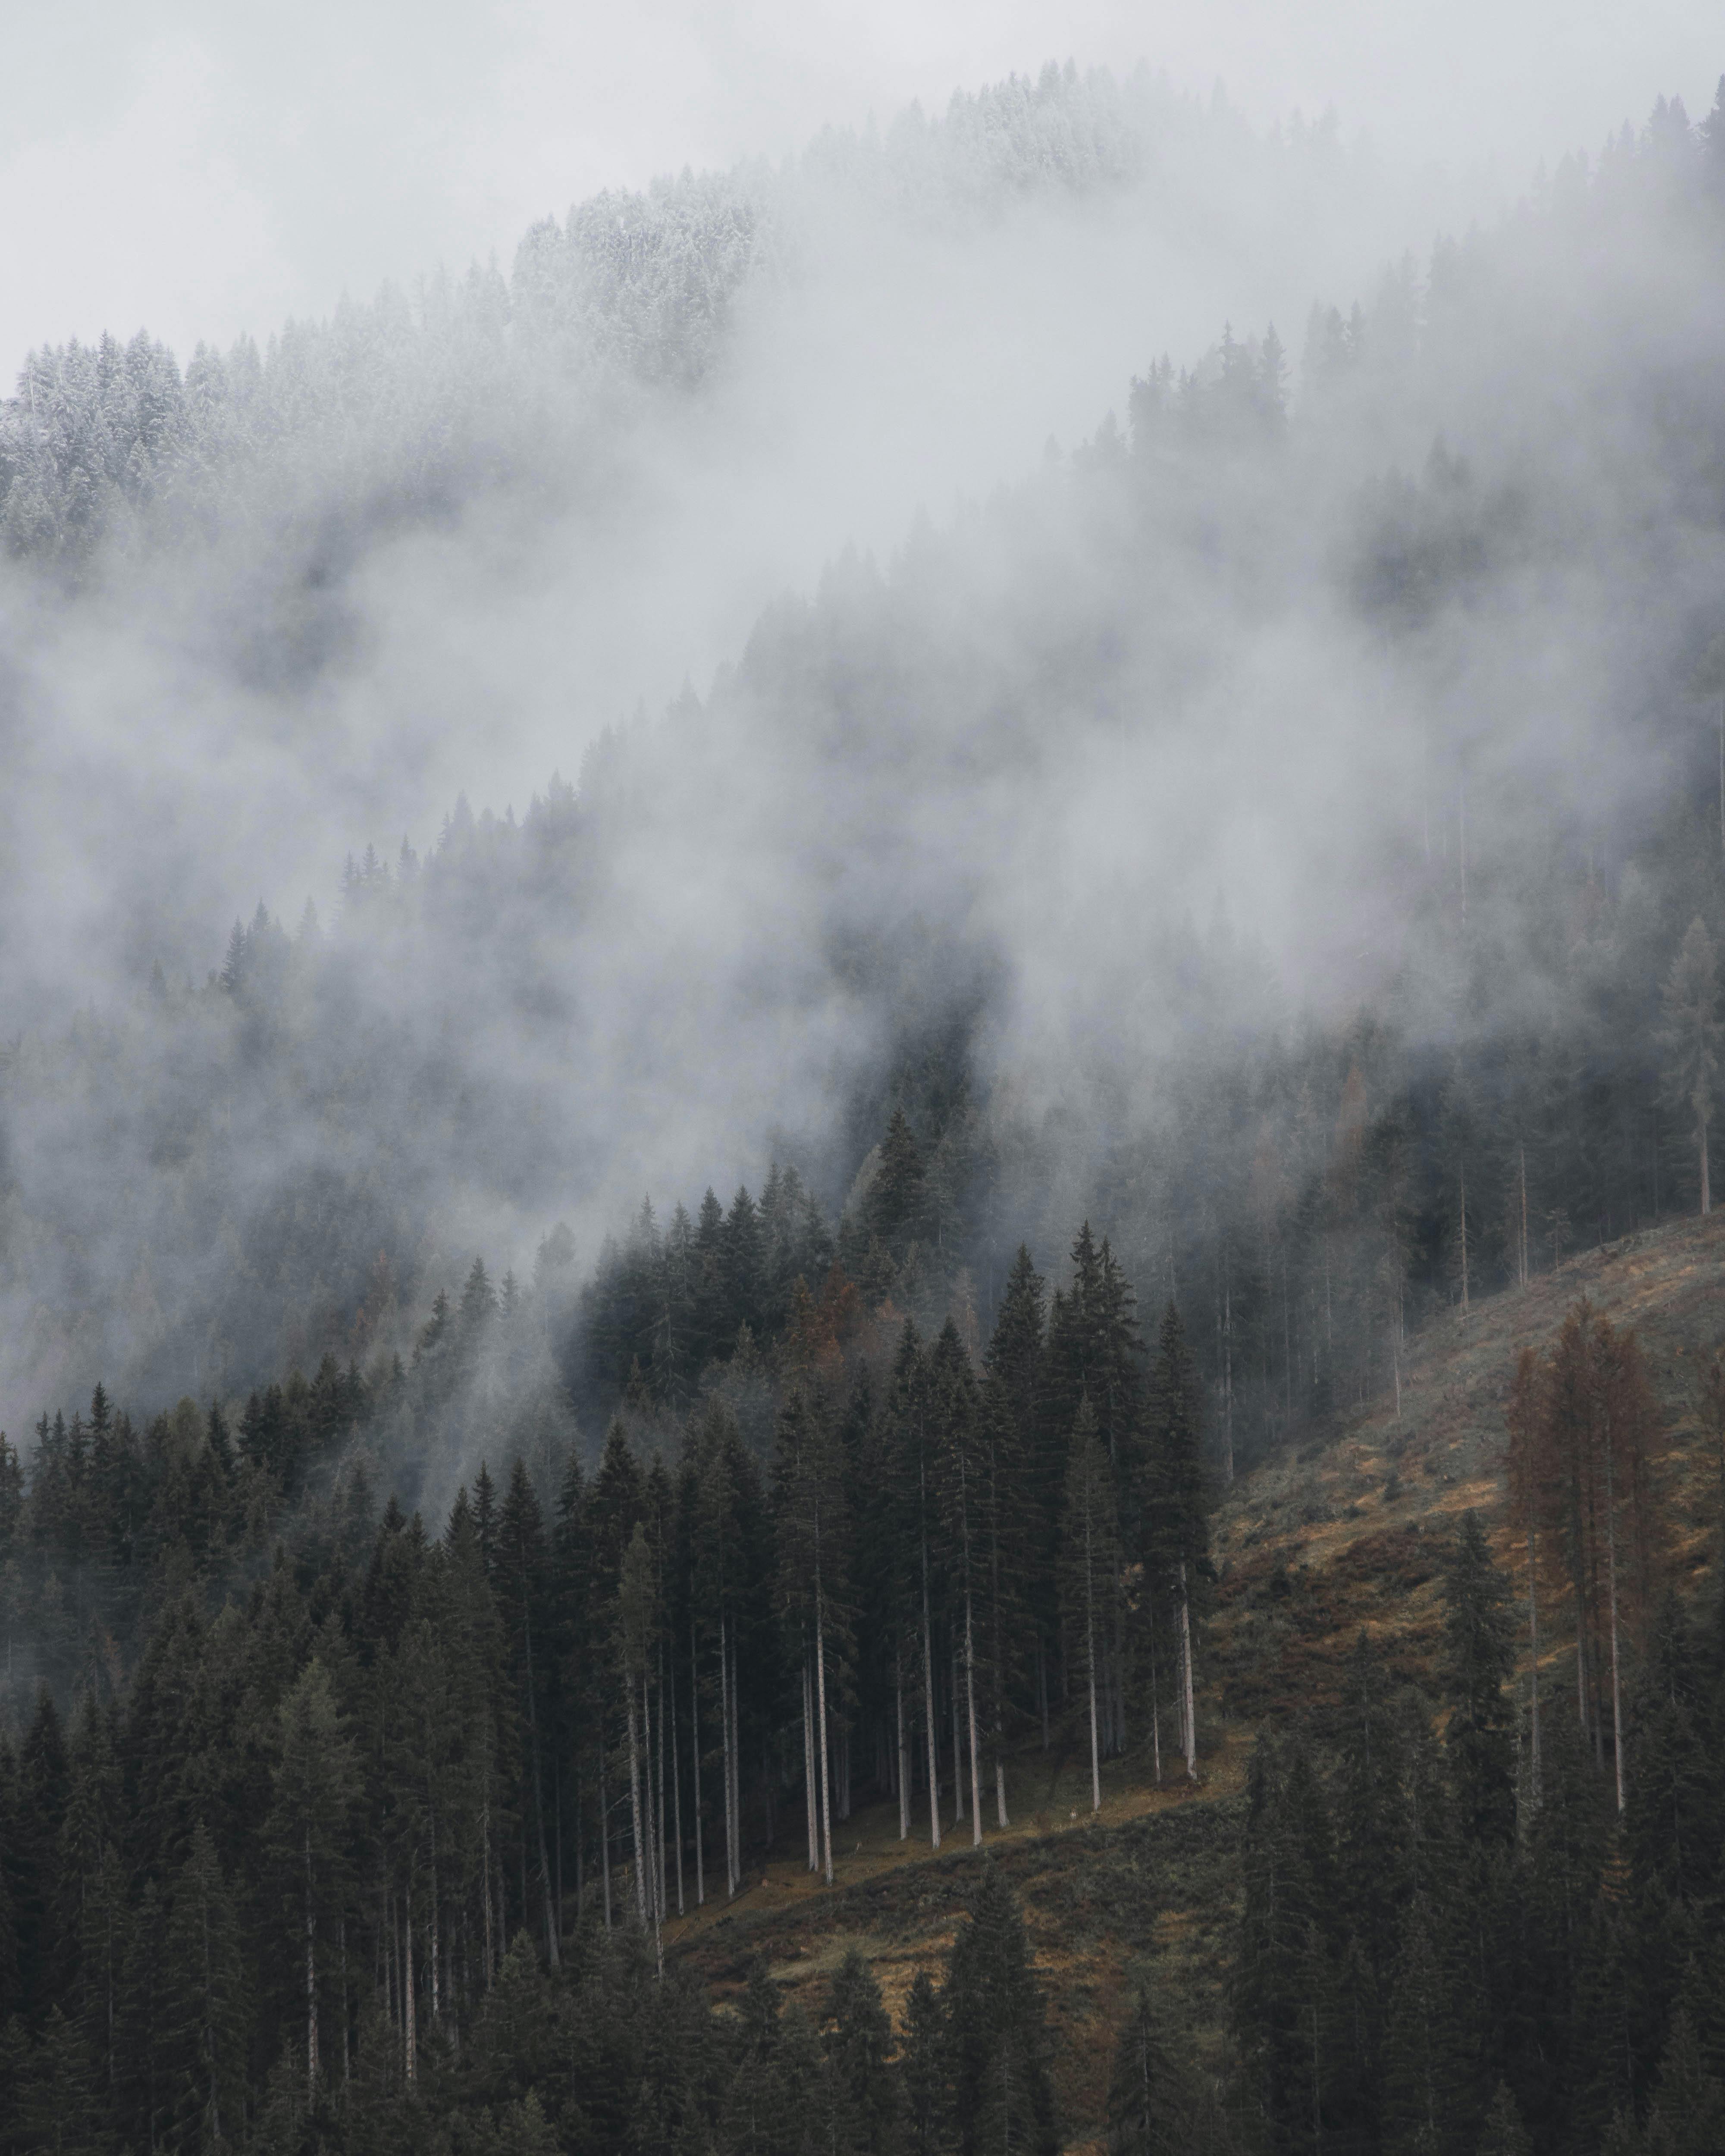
(970, 698)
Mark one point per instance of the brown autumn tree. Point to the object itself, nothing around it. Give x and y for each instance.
(1580, 1466)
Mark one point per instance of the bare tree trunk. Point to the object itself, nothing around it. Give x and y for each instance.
(1706, 1198)
(605, 1831)
(695, 1749)
(659, 1862)
(1522, 1177)
(1189, 1716)
(485, 1883)
(1463, 1172)
(934, 1764)
(736, 1772)
(310, 1974)
(976, 1791)
(820, 1674)
(671, 1716)
(725, 1746)
(904, 1750)
(1611, 1577)
(410, 2024)
(551, 1929)
(957, 1749)
(634, 1806)
(811, 1806)
(655, 1810)
(1090, 1642)
(1533, 1632)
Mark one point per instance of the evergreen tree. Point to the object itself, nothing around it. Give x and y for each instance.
(1090, 1567)
(857, 2035)
(316, 1787)
(1478, 1656)
(1001, 2097)
(1150, 2108)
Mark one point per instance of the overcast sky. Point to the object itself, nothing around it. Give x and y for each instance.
(198, 168)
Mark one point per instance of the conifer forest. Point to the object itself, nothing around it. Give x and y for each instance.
(965, 1395)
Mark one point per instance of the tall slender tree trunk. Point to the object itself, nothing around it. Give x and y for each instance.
(634, 1806)
(813, 1806)
(957, 1748)
(725, 1742)
(605, 1832)
(1188, 1714)
(1155, 1705)
(311, 1973)
(550, 1929)
(485, 1883)
(658, 1849)
(1611, 1579)
(655, 1813)
(976, 1790)
(934, 1764)
(1533, 1639)
(1090, 1645)
(695, 1753)
(410, 2004)
(736, 1773)
(671, 1716)
(820, 1673)
(904, 1750)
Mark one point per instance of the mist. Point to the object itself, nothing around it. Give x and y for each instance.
(922, 662)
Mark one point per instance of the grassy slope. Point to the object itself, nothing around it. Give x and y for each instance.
(1346, 1533)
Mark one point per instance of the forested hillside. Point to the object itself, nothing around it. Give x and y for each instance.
(850, 1277)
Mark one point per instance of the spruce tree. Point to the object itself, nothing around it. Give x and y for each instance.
(1089, 1568)
(1003, 2100)
(316, 1788)
(857, 2035)
(1479, 1657)
(1150, 2106)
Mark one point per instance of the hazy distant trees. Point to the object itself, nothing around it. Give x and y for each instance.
(1691, 1037)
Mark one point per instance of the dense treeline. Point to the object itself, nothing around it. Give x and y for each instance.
(1471, 1944)
(459, 387)
(330, 1767)
(199, 1181)
(377, 1840)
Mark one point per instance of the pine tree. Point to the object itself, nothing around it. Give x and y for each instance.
(203, 2012)
(1479, 1657)
(1003, 2100)
(316, 1787)
(521, 1588)
(895, 1205)
(1505, 2135)
(961, 1481)
(857, 2035)
(1090, 1566)
(1176, 1539)
(1150, 2107)
(924, 2075)
(813, 1535)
